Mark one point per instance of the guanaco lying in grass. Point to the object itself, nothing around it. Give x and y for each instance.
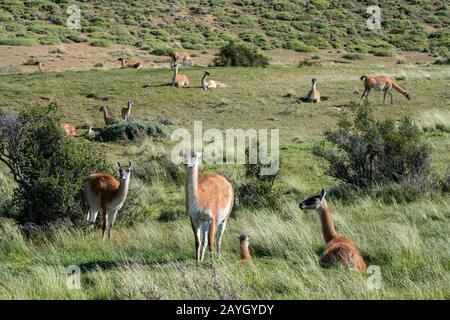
(179, 79)
(244, 240)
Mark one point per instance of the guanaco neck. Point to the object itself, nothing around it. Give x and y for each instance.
(326, 220)
(122, 63)
(245, 253)
(105, 115)
(192, 187)
(40, 67)
(314, 86)
(175, 73)
(122, 192)
(204, 78)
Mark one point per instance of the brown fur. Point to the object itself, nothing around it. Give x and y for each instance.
(384, 82)
(42, 69)
(177, 57)
(245, 252)
(69, 129)
(179, 79)
(136, 65)
(314, 93)
(126, 111)
(104, 185)
(106, 117)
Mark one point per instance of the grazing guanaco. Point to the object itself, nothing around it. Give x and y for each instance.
(41, 68)
(179, 79)
(126, 111)
(108, 119)
(210, 84)
(209, 202)
(338, 249)
(180, 57)
(382, 83)
(244, 240)
(69, 129)
(313, 94)
(136, 65)
(102, 192)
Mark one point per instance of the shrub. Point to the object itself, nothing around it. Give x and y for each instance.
(17, 42)
(353, 56)
(240, 55)
(134, 129)
(162, 51)
(368, 152)
(47, 166)
(101, 43)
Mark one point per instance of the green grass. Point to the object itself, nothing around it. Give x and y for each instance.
(153, 258)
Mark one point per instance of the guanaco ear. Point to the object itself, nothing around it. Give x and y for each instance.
(129, 164)
(322, 194)
(118, 163)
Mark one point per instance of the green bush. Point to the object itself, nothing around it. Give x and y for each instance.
(366, 152)
(135, 129)
(17, 42)
(47, 166)
(240, 55)
(353, 56)
(101, 43)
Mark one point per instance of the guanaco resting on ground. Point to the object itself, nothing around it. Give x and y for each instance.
(210, 84)
(338, 250)
(381, 83)
(209, 202)
(179, 79)
(42, 69)
(69, 129)
(136, 65)
(102, 192)
(180, 57)
(108, 119)
(313, 94)
(126, 111)
(244, 240)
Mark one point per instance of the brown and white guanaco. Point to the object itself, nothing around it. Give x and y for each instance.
(106, 117)
(42, 69)
(103, 193)
(137, 65)
(244, 240)
(339, 251)
(210, 84)
(69, 129)
(180, 57)
(313, 94)
(209, 202)
(179, 79)
(126, 111)
(382, 83)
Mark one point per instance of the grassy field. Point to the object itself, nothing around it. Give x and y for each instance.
(151, 259)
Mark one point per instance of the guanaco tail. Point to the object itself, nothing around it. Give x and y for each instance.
(381, 83)
(339, 251)
(103, 193)
(209, 202)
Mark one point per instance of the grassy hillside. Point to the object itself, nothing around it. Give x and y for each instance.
(151, 255)
(305, 26)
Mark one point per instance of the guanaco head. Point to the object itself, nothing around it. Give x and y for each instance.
(124, 171)
(129, 104)
(314, 81)
(314, 202)
(191, 158)
(244, 238)
(104, 108)
(207, 73)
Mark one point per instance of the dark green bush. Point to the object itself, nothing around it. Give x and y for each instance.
(366, 152)
(47, 166)
(240, 55)
(134, 129)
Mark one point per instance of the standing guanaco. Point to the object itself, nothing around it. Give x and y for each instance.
(180, 57)
(179, 79)
(108, 119)
(126, 111)
(381, 83)
(313, 94)
(210, 84)
(102, 192)
(338, 249)
(244, 240)
(209, 202)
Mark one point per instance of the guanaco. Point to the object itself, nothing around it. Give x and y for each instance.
(108, 119)
(210, 84)
(338, 249)
(244, 240)
(136, 65)
(90, 133)
(209, 202)
(69, 129)
(180, 57)
(179, 79)
(381, 83)
(313, 94)
(102, 192)
(126, 111)
(41, 68)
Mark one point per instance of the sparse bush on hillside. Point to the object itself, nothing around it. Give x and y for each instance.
(17, 42)
(366, 152)
(47, 166)
(240, 55)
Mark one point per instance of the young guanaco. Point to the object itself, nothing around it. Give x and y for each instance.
(338, 250)
(381, 83)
